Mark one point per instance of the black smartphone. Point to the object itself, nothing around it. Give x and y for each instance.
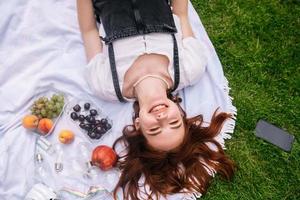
(274, 135)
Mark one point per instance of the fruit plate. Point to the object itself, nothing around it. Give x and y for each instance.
(90, 119)
(45, 111)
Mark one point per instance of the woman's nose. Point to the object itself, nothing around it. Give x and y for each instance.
(161, 115)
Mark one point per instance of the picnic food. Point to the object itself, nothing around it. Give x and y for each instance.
(81, 118)
(48, 108)
(66, 136)
(104, 157)
(87, 106)
(93, 112)
(30, 121)
(45, 125)
(89, 120)
(44, 113)
(77, 108)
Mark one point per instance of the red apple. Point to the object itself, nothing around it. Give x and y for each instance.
(104, 157)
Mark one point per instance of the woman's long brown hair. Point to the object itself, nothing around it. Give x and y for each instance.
(187, 167)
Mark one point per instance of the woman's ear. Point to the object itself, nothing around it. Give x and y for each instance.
(137, 123)
(131, 131)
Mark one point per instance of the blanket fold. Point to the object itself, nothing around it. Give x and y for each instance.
(41, 48)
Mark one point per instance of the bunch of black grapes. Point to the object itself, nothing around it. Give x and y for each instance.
(90, 121)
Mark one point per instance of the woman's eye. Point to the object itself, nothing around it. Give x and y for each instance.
(174, 122)
(154, 129)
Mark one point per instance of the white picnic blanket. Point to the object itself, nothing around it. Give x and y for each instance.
(41, 48)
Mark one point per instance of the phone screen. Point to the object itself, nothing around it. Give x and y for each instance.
(274, 135)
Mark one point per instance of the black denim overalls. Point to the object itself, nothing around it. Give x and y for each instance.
(124, 18)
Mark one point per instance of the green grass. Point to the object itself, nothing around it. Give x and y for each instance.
(258, 44)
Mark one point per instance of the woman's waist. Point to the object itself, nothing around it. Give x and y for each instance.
(142, 44)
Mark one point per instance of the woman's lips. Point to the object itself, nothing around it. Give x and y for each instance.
(158, 108)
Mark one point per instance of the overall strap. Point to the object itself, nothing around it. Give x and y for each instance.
(114, 72)
(175, 64)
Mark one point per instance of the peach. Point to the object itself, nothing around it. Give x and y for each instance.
(30, 121)
(66, 136)
(45, 126)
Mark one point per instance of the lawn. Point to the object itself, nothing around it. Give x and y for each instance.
(258, 45)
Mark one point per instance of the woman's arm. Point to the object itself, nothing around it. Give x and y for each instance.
(180, 8)
(88, 27)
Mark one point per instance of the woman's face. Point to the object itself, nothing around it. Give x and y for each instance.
(161, 124)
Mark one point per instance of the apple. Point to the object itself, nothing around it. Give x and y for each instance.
(104, 157)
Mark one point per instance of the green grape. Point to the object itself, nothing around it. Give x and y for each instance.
(54, 109)
(46, 107)
(57, 112)
(61, 107)
(40, 106)
(54, 97)
(43, 112)
(50, 115)
(51, 107)
(40, 100)
(57, 105)
(52, 103)
(61, 98)
(45, 99)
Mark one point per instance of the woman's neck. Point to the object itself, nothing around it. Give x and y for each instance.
(150, 90)
(154, 64)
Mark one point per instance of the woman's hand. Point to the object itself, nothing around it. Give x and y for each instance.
(180, 8)
(88, 27)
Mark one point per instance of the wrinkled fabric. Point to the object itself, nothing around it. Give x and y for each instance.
(41, 48)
